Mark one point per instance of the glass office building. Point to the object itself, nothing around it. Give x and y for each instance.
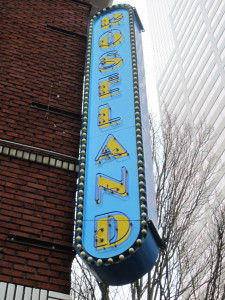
(188, 39)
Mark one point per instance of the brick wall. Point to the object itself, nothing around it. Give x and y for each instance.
(37, 210)
(42, 53)
(42, 64)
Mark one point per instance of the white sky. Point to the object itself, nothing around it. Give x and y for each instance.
(141, 7)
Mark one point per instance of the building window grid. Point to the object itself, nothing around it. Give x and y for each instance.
(170, 84)
(163, 105)
(193, 42)
(222, 55)
(176, 10)
(202, 112)
(181, 114)
(179, 13)
(198, 47)
(194, 45)
(219, 97)
(161, 58)
(162, 54)
(177, 108)
(213, 7)
(174, 93)
(220, 44)
(217, 15)
(199, 105)
(187, 65)
(178, 7)
(219, 141)
(210, 7)
(198, 92)
(191, 31)
(218, 170)
(208, 4)
(221, 183)
(219, 120)
(219, 27)
(182, 16)
(192, 16)
(221, 41)
(167, 74)
(202, 62)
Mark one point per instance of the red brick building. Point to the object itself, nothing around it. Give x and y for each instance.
(42, 52)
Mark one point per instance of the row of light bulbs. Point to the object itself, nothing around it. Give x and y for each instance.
(141, 174)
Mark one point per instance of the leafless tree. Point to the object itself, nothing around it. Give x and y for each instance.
(190, 222)
(85, 287)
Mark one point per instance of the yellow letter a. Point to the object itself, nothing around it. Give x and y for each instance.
(111, 148)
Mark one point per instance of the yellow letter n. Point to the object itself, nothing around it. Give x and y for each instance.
(112, 185)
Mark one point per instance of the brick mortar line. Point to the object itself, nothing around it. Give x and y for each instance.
(38, 243)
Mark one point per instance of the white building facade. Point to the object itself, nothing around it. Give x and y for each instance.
(188, 39)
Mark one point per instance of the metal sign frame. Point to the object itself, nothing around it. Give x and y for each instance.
(113, 209)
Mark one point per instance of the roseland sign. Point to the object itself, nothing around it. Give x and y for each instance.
(113, 235)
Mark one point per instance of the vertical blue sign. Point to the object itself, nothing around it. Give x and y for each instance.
(113, 235)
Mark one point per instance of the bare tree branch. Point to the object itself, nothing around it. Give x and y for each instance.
(190, 220)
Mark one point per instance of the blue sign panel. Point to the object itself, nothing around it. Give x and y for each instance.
(112, 232)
